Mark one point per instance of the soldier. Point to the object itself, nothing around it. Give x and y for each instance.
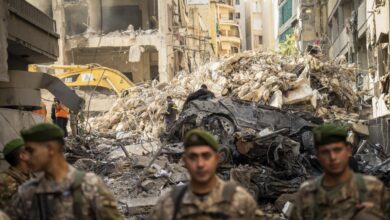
(170, 115)
(62, 192)
(206, 196)
(16, 174)
(339, 193)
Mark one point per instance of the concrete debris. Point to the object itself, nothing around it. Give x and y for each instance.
(264, 108)
(301, 83)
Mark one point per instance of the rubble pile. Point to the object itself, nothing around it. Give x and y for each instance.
(303, 83)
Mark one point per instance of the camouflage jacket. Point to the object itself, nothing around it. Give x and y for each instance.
(313, 201)
(10, 180)
(242, 205)
(96, 200)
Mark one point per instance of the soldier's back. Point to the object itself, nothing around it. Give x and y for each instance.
(8, 187)
(80, 196)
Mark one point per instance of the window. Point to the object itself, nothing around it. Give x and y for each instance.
(238, 15)
(285, 12)
(237, 2)
(260, 39)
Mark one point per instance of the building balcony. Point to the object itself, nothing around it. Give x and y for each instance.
(31, 33)
(339, 46)
(226, 5)
(231, 39)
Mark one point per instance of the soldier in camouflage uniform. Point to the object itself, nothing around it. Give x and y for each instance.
(18, 173)
(62, 192)
(339, 193)
(206, 196)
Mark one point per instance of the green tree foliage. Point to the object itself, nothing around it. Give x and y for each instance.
(288, 47)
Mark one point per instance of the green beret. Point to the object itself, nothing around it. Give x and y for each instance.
(198, 137)
(329, 133)
(12, 145)
(42, 132)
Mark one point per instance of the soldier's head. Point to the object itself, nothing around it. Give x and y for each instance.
(44, 143)
(169, 98)
(332, 150)
(15, 153)
(203, 86)
(201, 156)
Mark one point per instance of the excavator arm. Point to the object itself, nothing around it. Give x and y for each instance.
(89, 76)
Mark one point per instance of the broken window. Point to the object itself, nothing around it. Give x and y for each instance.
(119, 17)
(379, 3)
(260, 39)
(76, 16)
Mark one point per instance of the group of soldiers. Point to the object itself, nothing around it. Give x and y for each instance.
(40, 184)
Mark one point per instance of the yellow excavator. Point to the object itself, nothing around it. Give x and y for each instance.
(90, 76)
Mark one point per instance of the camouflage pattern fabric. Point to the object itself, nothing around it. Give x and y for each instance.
(315, 202)
(10, 180)
(97, 200)
(242, 205)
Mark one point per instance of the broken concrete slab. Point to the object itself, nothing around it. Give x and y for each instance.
(135, 149)
(139, 206)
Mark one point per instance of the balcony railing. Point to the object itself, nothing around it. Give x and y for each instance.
(231, 39)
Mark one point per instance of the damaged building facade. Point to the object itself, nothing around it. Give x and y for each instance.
(139, 38)
(217, 17)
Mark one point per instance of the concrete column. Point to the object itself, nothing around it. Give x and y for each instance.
(59, 17)
(145, 15)
(94, 15)
(165, 49)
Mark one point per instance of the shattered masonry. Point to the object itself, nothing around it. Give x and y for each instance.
(274, 145)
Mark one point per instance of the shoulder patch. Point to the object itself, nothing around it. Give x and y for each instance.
(91, 179)
(372, 182)
(309, 185)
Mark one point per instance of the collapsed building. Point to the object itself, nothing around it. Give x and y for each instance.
(141, 39)
(265, 107)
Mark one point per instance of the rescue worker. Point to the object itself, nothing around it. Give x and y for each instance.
(202, 94)
(62, 114)
(42, 111)
(206, 196)
(170, 115)
(62, 192)
(18, 172)
(339, 193)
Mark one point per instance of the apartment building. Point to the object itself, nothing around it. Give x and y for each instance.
(223, 31)
(259, 25)
(312, 24)
(240, 17)
(288, 18)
